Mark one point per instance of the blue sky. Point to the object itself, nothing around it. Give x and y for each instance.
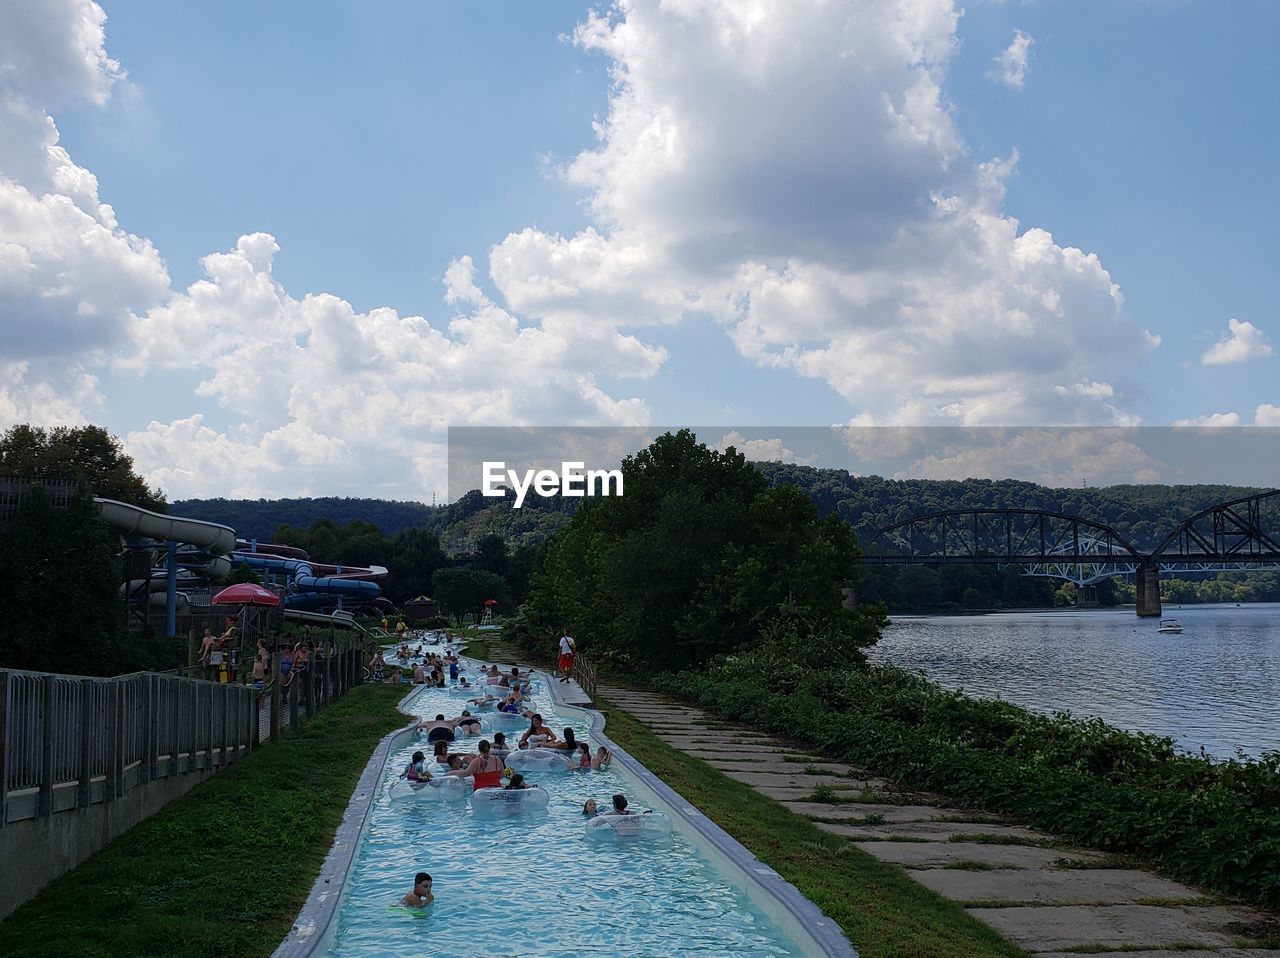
(779, 214)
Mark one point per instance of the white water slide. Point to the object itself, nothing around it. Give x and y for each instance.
(129, 520)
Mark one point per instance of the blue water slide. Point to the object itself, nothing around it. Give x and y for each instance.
(306, 589)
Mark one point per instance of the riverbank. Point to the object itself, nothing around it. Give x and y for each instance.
(223, 870)
(1196, 821)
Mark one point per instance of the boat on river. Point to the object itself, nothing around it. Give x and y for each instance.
(1170, 626)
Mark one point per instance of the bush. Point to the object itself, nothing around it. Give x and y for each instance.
(1209, 823)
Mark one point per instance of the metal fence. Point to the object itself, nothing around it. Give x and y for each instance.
(68, 742)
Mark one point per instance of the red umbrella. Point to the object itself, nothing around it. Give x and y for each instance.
(490, 601)
(246, 593)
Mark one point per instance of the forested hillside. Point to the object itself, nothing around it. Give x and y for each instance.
(259, 518)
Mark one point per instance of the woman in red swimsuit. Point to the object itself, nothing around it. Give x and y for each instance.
(485, 769)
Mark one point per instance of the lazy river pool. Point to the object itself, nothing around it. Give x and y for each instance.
(534, 883)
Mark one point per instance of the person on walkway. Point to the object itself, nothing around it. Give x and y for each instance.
(378, 667)
(421, 895)
(207, 646)
(568, 648)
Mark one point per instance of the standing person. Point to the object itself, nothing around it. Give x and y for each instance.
(207, 647)
(567, 650)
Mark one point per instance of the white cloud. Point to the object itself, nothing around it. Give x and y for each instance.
(1243, 341)
(763, 450)
(1212, 420)
(879, 262)
(1010, 67)
(68, 273)
(320, 387)
(1266, 415)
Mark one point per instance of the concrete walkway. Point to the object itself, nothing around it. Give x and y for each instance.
(1048, 898)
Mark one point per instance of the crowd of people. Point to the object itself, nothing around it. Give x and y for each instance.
(487, 766)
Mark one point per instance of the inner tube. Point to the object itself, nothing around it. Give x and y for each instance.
(537, 759)
(452, 789)
(508, 721)
(648, 825)
(509, 801)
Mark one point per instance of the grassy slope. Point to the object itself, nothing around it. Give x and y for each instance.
(224, 869)
(882, 911)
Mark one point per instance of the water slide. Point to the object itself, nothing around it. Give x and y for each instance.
(313, 584)
(192, 544)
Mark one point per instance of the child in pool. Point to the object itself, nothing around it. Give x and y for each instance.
(421, 895)
(416, 772)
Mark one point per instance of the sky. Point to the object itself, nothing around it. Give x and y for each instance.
(279, 249)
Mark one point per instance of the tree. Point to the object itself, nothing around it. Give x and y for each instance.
(460, 591)
(89, 453)
(695, 559)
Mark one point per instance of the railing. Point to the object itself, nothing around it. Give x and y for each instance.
(69, 742)
(584, 673)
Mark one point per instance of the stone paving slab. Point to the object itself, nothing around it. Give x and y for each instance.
(936, 854)
(769, 776)
(1053, 886)
(891, 813)
(742, 759)
(1064, 927)
(929, 831)
(728, 747)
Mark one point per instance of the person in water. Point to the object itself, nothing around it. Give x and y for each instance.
(485, 769)
(537, 733)
(602, 758)
(517, 782)
(590, 809)
(620, 806)
(467, 723)
(442, 753)
(440, 729)
(570, 743)
(582, 760)
(421, 895)
(417, 772)
(499, 746)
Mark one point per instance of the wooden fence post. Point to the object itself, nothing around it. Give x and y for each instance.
(225, 695)
(208, 729)
(308, 689)
(44, 805)
(84, 783)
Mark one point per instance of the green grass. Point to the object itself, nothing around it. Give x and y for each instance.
(882, 911)
(224, 869)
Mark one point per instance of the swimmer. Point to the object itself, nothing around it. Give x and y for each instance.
(620, 806)
(442, 753)
(602, 758)
(440, 729)
(485, 769)
(416, 772)
(582, 760)
(467, 722)
(517, 783)
(570, 743)
(590, 809)
(421, 895)
(537, 733)
(499, 746)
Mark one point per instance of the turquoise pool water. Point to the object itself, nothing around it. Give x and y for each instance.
(534, 884)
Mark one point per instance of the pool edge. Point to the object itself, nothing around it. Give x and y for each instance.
(824, 930)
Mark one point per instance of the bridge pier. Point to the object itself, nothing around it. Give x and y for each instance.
(1087, 597)
(1147, 580)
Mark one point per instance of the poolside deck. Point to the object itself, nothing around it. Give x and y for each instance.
(1049, 898)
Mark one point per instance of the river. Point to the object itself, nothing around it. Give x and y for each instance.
(1216, 685)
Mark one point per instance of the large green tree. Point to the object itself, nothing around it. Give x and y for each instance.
(695, 558)
(89, 453)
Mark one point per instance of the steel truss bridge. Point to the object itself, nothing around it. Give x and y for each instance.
(1239, 535)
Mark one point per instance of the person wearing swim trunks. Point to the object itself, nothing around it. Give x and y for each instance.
(568, 648)
(441, 729)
